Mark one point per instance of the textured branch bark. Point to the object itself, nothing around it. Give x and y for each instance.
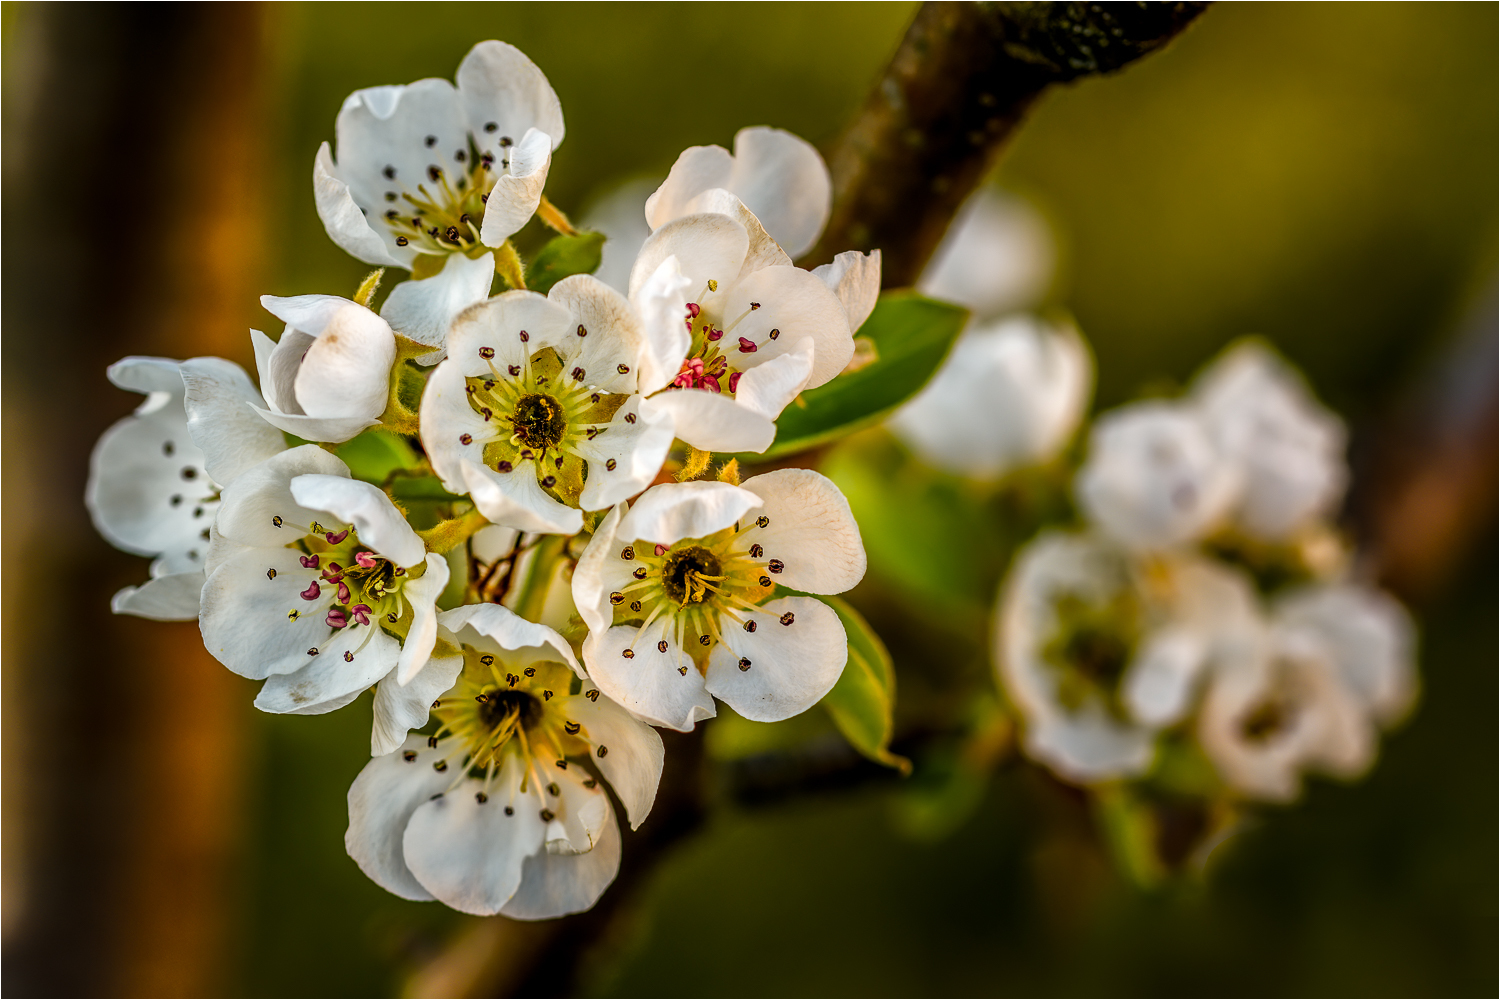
(959, 85)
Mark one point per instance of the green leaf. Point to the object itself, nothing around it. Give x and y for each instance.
(863, 701)
(912, 335)
(564, 256)
(375, 454)
(419, 488)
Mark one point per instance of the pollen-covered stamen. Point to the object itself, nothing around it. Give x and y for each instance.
(440, 214)
(712, 362)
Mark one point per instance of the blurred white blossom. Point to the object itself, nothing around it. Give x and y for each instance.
(996, 258)
(1010, 394)
(1290, 450)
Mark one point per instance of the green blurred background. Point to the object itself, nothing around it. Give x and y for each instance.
(1324, 175)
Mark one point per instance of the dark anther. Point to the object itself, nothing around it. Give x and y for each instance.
(503, 467)
(271, 574)
(487, 659)
(750, 625)
(389, 173)
(640, 573)
(313, 651)
(530, 671)
(744, 663)
(630, 418)
(627, 553)
(409, 756)
(546, 695)
(166, 448)
(704, 640)
(434, 173)
(481, 698)
(610, 464)
(553, 790)
(788, 618)
(177, 501)
(629, 654)
(431, 141)
(392, 214)
(509, 811)
(465, 439)
(762, 521)
(615, 598)
(548, 815)
(756, 552)
(548, 482)
(401, 241)
(512, 680)
(189, 472)
(661, 647)
(571, 728)
(481, 798)
(590, 783)
(392, 617)
(682, 671)
(558, 462)
(514, 369)
(486, 412)
(440, 766)
(436, 702)
(506, 141)
(581, 331)
(592, 695)
(452, 233)
(635, 605)
(765, 581)
(776, 565)
(460, 155)
(525, 337)
(432, 741)
(775, 334)
(603, 751)
(348, 656)
(577, 373)
(491, 126)
(623, 369)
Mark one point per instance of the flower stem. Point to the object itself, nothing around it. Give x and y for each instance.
(553, 217)
(449, 534)
(508, 265)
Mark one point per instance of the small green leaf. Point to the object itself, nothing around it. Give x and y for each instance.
(912, 335)
(564, 256)
(375, 454)
(421, 488)
(863, 701)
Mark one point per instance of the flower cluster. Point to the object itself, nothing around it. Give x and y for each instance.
(541, 561)
(1209, 609)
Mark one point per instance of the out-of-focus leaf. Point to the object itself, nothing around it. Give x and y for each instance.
(951, 778)
(375, 454)
(564, 256)
(732, 737)
(912, 335)
(419, 488)
(1130, 833)
(863, 702)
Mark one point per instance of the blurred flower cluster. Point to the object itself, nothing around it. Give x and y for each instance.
(506, 496)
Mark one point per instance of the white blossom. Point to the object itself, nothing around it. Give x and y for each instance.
(1260, 414)
(678, 592)
(1010, 394)
(155, 476)
(328, 377)
(779, 176)
(1154, 477)
(495, 812)
(619, 213)
(997, 257)
(1100, 651)
(430, 169)
(317, 585)
(536, 411)
(733, 330)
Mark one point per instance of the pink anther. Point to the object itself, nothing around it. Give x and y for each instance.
(312, 592)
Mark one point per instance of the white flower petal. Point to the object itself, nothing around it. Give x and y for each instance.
(422, 594)
(146, 375)
(812, 531)
(398, 709)
(661, 301)
(328, 681)
(365, 506)
(518, 191)
(346, 372)
(783, 180)
(244, 615)
(697, 169)
(310, 314)
(598, 572)
(637, 449)
(633, 756)
(517, 500)
(768, 388)
(798, 304)
(249, 504)
(469, 853)
(507, 631)
(345, 223)
(649, 684)
(381, 802)
(331, 429)
(446, 417)
(612, 338)
(500, 87)
(278, 370)
(1366, 634)
(553, 885)
(762, 251)
(708, 246)
(382, 139)
(1090, 745)
(1159, 681)
(172, 598)
(673, 511)
(855, 278)
(220, 402)
(423, 310)
(582, 813)
(796, 655)
(498, 324)
(713, 422)
(264, 348)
